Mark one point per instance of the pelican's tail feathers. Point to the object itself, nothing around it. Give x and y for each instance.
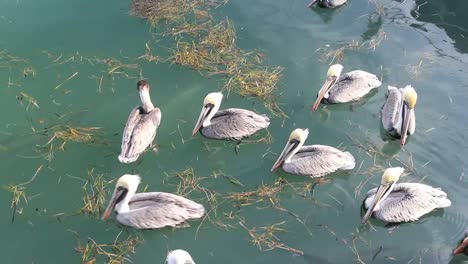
(124, 159)
(444, 202)
(262, 121)
(350, 161)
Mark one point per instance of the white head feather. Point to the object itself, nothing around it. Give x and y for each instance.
(410, 96)
(179, 256)
(130, 182)
(299, 134)
(335, 70)
(392, 175)
(213, 98)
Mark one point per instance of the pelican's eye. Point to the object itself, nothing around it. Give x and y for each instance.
(294, 141)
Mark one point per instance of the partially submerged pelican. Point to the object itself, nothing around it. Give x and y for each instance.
(398, 116)
(327, 3)
(463, 247)
(232, 123)
(347, 88)
(151, 209)
(402, 202)
(141, 126)
(179, 256)
(313, 160)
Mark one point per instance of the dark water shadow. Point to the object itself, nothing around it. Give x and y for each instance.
(326, 14)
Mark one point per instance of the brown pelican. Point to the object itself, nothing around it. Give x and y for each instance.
(152, 209)
(141, 126)
(398, 116)
(327, 3)
(402, 202)
(232, 123)
(349, 87)
(463, 247)
(179, 256)
(313, 160)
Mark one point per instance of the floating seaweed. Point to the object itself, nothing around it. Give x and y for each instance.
(66, 133)
(94, 193)
(170, 11)
(113, 253)
(263, 193)
(18, 192)
(265, 238)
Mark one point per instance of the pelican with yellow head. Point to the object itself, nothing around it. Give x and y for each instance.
(312, 160)
(229, 124)
(151, 209)
(394, 202)
(398, 116)
(345, 88)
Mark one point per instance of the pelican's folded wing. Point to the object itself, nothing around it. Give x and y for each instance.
(159, 209)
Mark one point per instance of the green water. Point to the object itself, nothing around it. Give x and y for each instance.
(425, 46)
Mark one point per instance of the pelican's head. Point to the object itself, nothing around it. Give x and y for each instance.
(389, 178)
(211, 105)
(295, 142)
(125, 188)
(143, 85)
(179, 256)
(333, 75)
(410, 97)
(391, 175)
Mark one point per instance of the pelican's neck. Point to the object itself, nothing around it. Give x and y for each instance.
(146, 100)
(122, 206)
(293, 152)
(207, 121)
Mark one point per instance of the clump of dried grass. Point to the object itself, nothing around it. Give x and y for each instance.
(171, 11)
(189, 182)
(265, 238)
(66, 133)
(263, 193)
(18, 192)
(113, 253)
(94, 194)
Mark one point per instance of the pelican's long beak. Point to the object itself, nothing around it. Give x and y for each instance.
(381, 191)
(461, 247)
(312, 3)
(203, 114)
(325, 88)
(406, 122)
(118, 195)
(287, 149)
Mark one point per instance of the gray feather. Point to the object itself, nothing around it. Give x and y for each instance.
(319, 160)
(158, 210)
(391, 110)
(235, 124)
